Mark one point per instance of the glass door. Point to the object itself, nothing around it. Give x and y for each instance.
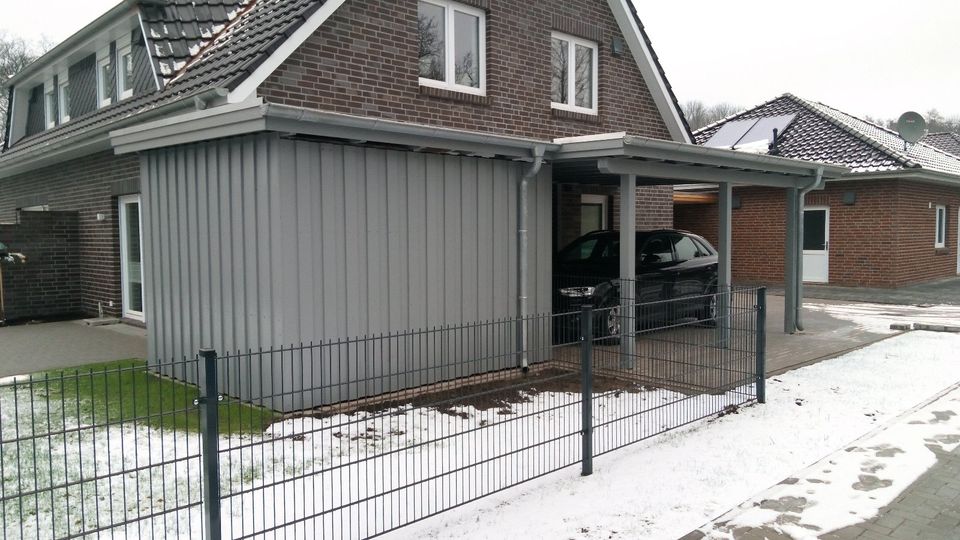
(131, 257)
(816, 244)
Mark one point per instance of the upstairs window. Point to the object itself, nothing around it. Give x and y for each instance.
(49, 105)
(124, 70)
(104, 79)
(941, 240)
(574, 68)
(63, 98)
(452, 46)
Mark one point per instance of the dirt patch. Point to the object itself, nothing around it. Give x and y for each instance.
(500, 394)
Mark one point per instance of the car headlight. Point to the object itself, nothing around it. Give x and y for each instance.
(578, 292)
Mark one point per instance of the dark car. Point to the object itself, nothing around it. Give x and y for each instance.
(671, 265)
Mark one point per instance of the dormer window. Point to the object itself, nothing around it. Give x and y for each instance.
(574, 85)
(452, 46)
(124, 69)
(104, 78)
(49, 105)
(63, 97)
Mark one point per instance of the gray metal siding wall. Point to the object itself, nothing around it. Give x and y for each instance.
(258, 242)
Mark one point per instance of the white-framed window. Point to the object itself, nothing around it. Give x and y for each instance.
(941, 240)
(452, 46)
(104, 78)
(574, 73)
(63, 97)
(124, 69)
(49, 104)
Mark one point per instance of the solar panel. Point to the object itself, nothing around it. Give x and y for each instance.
(763, 129)
(730, 133)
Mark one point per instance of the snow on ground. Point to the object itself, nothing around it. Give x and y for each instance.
(854, 484)
(877, 318)
(667, 486)
(415, 459)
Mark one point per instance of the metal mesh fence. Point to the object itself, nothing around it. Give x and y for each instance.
(358, 437)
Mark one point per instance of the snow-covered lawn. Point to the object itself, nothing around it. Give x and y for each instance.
(669, 485)
(415, 458)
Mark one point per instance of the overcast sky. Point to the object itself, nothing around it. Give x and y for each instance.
(866, 57)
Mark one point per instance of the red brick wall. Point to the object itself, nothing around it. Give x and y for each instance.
(47, 284)
(918, 260)
(364, 61)
(82, 185)
(884, 239)
(697, 218)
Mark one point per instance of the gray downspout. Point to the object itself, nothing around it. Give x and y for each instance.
(817, 184)
(523, 263)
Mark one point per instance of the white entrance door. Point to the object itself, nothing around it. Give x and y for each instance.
(816, 244)
(131, 257)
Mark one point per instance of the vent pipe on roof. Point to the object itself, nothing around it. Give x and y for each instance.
(523, 265)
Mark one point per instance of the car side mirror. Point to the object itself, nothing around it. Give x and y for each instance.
(650, 258)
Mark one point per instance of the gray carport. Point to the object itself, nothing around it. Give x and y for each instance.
(630, 161)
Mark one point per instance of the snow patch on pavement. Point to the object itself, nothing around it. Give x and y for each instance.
(877, 318)
(669, 485)
(853, 485)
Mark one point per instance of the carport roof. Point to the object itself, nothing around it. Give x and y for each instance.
(654, 161)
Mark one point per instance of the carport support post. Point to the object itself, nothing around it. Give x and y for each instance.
(791, 263)
(628, 269)
(724, 267)
(209, 433)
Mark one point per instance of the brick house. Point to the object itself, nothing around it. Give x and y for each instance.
(891, 221)
(249, 173)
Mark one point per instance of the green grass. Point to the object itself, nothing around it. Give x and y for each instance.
(127, 391)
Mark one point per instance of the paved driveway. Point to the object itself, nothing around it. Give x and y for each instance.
(37, 347)
(939, 292)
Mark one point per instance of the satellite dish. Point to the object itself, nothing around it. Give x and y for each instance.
(911, 126)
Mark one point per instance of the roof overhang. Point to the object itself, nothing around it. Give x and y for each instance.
(90, 141)
(655, 161)
(592, 158)
(256, 116)
(917, 175)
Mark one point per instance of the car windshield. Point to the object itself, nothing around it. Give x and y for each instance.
(582, 249)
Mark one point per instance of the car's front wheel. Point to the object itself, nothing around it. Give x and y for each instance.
(708, 313)
(608, 323)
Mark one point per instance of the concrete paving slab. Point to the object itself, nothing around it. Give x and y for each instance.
(37, 347)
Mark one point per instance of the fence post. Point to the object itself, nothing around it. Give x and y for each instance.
(209, 432)
(761, 376)
(586, 367)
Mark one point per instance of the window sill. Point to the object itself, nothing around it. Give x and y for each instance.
(941, 251)
(578, 116)
(452, 95)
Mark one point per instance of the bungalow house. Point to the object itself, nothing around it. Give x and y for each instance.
(891, 221)
(251, 173)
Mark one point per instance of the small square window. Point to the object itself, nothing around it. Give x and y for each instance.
(574, 74)
(452, 46)
(124, 72)
(941, 239)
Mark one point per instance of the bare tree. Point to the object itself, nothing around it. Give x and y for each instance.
(699, 114)
(16, 53)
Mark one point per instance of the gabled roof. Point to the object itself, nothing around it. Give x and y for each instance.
(824, 134)
(203, 46)
(227, 60)
(947, 142)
